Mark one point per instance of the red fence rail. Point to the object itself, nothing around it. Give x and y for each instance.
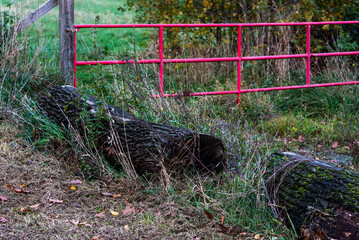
(161, 61)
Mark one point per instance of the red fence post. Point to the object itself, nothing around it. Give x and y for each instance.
(308, 54)
(161, 59)
(239, 67)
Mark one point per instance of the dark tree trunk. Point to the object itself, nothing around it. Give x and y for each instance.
(126, 139)
(322, 201)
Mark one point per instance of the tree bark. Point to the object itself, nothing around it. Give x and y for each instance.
(322, 201)
(127, 140)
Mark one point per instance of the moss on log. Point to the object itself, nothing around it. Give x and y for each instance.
(322, 201)
(125, 139)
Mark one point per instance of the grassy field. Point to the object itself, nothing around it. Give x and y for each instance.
(43, 36)
(39, 156)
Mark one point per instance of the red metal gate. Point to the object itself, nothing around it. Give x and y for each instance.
(161, 61)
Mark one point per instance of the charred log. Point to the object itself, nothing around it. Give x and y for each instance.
(124, 138)
(322, 201)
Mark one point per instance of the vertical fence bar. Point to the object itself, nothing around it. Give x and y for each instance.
(308, 55)
(75, 57)
(239, 67)
(161, 59)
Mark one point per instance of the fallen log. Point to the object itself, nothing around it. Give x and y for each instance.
(319, 200)
(125, 139)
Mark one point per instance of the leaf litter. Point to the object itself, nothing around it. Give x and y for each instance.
(75, 182)
(3, 199)
(3, 220)
(129, 210)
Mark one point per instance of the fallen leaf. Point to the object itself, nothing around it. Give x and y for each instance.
(96, 238)
(56, 201)
(74, 222)
(129, 210)
(233, 231)
(3, 220)
(117, 196)
(335, 145)
(78, 223)
(22, 209)
(221, 228)
(126, 228)
(75, 181)
(8, 187)
(301, 138)
(114, 213)
(22, 185)
(208, 214)
(73, 187)
(107, 194)
(257, 236)
(35, 206)
(84, 224)
(21, 190)
(3, 199)
(101, 214)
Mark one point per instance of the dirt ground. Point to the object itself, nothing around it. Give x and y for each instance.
(42, 198)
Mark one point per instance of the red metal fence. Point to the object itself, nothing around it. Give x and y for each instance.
(161, 61)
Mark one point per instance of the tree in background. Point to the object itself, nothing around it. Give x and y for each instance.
(225, 11)
(256, 41)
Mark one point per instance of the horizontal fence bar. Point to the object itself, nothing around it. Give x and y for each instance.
(300, 86)
(260, 89)
(111, 62)
(211, 24)
(253, 58)
(225, 59)
(334, 54)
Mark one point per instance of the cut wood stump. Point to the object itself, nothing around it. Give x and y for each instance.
(321, 201)
(126, 139)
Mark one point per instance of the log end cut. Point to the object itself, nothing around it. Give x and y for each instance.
(211, 154)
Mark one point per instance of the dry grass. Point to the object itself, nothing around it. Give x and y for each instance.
(156, 216)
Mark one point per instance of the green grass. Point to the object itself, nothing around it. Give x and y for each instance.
(42, 37)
